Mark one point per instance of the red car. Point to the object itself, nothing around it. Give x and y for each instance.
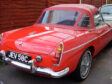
(65, 39)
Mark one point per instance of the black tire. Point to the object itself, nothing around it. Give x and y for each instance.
(79, 76)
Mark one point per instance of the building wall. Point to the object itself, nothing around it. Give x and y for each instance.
(109, 1)
(97, 3)
(54, 2)
(20, 13)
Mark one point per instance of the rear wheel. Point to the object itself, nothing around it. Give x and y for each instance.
(84, 66)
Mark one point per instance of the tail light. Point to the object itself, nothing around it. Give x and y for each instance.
(58, 54)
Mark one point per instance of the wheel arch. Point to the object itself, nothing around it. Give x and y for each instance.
(76, 72)
(92, 50)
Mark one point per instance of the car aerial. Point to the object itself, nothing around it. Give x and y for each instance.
(63, 40)
(106, 11)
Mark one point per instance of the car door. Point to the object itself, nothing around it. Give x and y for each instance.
(102, 30)
(93, 33)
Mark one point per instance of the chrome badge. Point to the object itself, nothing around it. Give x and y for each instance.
(19, 42)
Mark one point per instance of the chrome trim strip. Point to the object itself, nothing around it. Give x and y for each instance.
(87, 42)
(52, 73)
(18, 64)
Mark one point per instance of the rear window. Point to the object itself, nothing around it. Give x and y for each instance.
(60, 17)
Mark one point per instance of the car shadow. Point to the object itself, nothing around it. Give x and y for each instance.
(34, 79)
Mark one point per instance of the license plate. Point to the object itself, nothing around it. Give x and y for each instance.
(18, 56)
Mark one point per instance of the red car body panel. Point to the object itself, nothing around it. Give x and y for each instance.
(38, 40)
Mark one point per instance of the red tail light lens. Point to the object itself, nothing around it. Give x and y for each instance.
(58, 54)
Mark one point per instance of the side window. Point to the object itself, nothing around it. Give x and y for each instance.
(85, 21)
(98, 21)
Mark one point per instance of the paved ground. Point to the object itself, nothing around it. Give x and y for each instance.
(101, 73)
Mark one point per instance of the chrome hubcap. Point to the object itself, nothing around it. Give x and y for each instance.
(85, 65)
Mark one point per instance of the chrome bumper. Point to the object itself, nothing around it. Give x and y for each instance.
(32, 68)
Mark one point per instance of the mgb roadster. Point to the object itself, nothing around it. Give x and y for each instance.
(63, 40)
